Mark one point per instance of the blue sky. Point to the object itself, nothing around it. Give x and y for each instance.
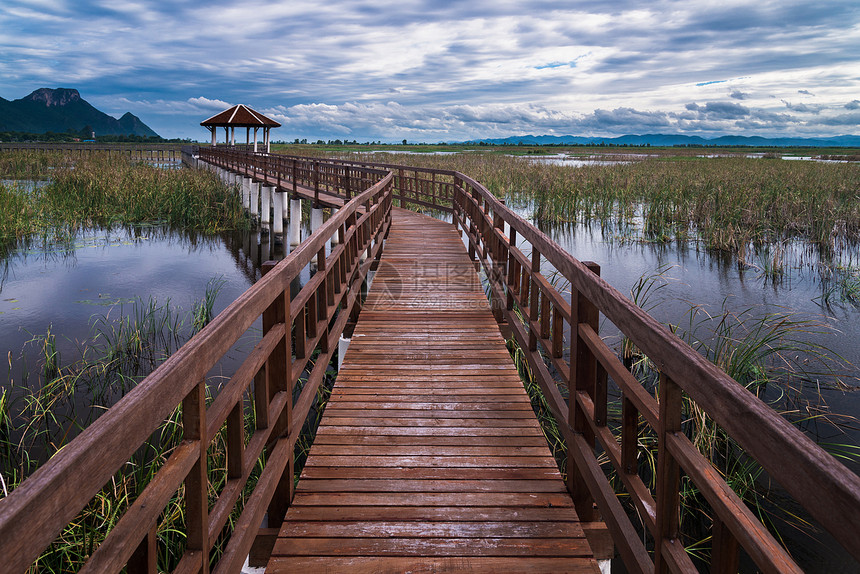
(442, 70)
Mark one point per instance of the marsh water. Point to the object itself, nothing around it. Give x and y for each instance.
(65, 286)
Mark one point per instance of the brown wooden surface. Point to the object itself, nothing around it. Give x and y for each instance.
(429, 457)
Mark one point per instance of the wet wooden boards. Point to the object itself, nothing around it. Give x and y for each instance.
(429, 457)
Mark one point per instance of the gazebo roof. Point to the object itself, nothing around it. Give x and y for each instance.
(241, 116)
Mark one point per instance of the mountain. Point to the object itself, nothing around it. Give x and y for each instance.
(676, 140)
(61, 110)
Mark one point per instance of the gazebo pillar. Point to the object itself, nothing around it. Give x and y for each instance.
(214, 131)
(255, 140)
(233, 136)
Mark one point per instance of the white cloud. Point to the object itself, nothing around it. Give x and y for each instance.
(452, 69)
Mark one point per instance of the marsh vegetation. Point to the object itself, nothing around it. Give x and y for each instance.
(755, 262)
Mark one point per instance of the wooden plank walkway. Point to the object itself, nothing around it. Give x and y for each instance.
(429, 457)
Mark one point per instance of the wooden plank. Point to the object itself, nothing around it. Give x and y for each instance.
(377, 564)
(430, 546)
(429, 455)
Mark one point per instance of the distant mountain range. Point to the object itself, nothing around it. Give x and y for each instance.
(676, 140)
(62, 110)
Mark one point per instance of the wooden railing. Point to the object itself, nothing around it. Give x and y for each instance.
(323, 177)
(544, 323)
(541, 319)
(300, 335)
(412, 186)
(139, 151)
(417, 186)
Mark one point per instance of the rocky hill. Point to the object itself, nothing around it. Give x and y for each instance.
(62, 110)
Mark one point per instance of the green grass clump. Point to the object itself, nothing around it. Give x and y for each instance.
(17, 217)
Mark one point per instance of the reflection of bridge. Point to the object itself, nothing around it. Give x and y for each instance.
(428, 457)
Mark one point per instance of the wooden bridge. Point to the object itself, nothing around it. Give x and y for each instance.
(428, 457)
(154, 152)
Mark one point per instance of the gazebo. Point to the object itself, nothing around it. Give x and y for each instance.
(241, 116)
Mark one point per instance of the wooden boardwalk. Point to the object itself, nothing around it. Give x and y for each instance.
(429, 457)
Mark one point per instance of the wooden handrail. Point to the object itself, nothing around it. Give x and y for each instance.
(828, 490)
(34, 513)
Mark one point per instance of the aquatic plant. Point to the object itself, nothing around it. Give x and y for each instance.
(726, 203)
(99, 190)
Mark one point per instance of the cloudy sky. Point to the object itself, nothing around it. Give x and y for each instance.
(442, 70)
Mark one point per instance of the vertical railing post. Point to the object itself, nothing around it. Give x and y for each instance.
(629, 436)
(278, 369)
(197, 481)
(348, 190)
(456, 204)
(316, 178)
(500, 262)
(534, 299)
(145, 557)
(513, 270)
(323, 298)
(668, 473)
(583, 375)
(293, 175)
(724, 549)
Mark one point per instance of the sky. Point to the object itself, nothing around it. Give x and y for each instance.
(442, 70)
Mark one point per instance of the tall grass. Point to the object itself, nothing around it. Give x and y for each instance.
(101, 190)
(727, 203)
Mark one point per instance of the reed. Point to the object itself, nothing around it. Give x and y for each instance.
(101, 191)
(726, 203)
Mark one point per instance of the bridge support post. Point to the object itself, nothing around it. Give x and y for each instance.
(335, 239)
(246, 193)
(295, 222)
(342, 346)
(278, 215)
(255, 200)
(265, 207)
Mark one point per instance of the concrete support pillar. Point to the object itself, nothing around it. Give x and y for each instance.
(316, 223)
(278, 215)
(246, 193)
(335, 238)
(295, 222)
(342, 346)
(265, 207)
(255, 140)
(255, 200)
